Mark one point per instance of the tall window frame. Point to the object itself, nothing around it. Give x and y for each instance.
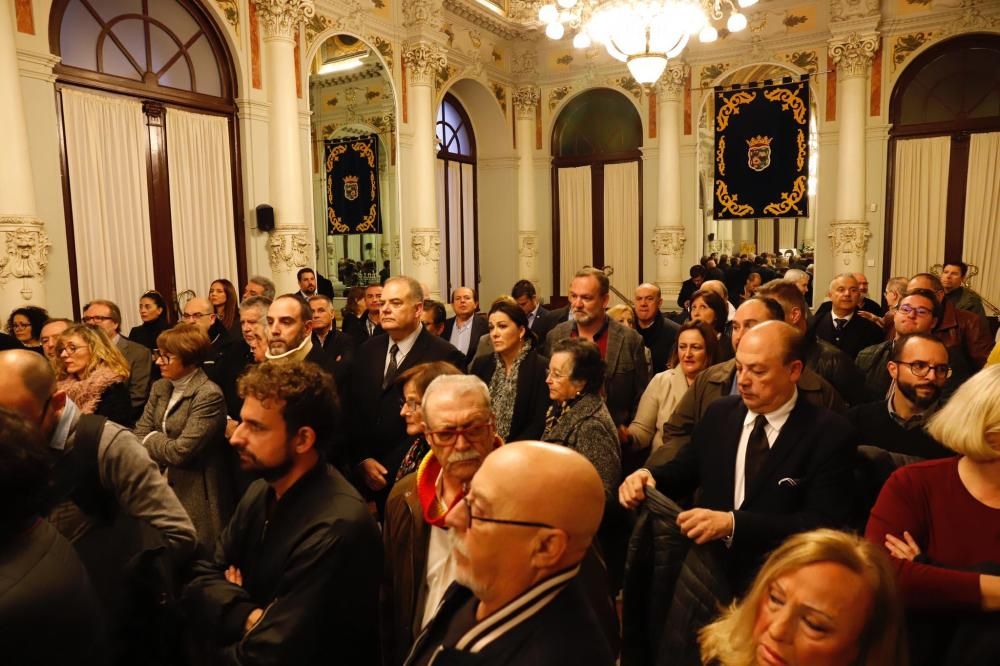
(456, 142)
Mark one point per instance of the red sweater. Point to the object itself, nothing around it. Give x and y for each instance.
(953, 529)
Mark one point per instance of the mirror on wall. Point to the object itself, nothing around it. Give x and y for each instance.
(791, 235)
(351, 100)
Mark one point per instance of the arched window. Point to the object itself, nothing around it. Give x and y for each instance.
(167, 60)
(945, 115)
(457, 194)
(597, 188)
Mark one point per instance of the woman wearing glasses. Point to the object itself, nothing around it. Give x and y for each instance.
(94, 373)
(182, 429)
(940, 520)
(414, 382)
(26, 324)
(515, 373)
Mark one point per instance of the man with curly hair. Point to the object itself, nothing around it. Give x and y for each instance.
(295, 575)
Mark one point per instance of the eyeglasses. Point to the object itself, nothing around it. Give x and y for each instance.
(166, 357)
(411, 404)
(96, 319)
(499, 521)
(474, 433)
(908, 310)
(194, 316)
(70, 349)
(922, 368)
(555, 374)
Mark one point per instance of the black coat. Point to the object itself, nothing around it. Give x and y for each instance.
(544, 322)
(357, 328)
(836, 367)
(802, 486)
(659, 338)
(857, 334)
(532, 401)
(313, 559)
(147, 332)
(480, 327)
(876, 427)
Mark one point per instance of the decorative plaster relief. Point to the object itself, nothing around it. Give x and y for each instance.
(841, 10)
(525, 100)
(849, 239)
(231, 10)
(670, 87)
(425, 246)
(500, 92)
(281, 18)
(25, 252)
(418, 13)
(423, 61)
(669, 241)
(557, 95)
(288, 249)
(853, 54)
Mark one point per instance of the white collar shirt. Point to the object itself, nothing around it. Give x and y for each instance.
(405, 345)
(775, 422)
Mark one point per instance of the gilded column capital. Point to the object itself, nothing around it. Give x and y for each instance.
(853, 53)
(423, 61)
(280, 19)
(670, 87)
(526, 101)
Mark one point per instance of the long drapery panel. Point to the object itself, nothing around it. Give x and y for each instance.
(106, 144)
(920, 198)
(982, 212)
(576, 244)
(621, 225)
(201, 200)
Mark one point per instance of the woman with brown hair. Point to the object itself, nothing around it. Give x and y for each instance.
(414, 382)
(94, 373)
(226, 302)
(823, 598)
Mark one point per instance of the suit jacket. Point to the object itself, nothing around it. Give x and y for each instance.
(802, 485)
(544, 322)
(323, 286)
(379, 431)
(480, 327)
(532, 399)
(192, 450)
(357, 328)
(626, 373)
(856, 335)
(659, 338)
(140, 364)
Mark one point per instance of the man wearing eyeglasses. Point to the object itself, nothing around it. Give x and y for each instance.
(524, 592)
(459, 429)
(918, 313)
(920, 369)
(106, 316)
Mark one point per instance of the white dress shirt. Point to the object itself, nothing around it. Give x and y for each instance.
(775, 422)
(461, 335)
(440, 572)
(847, 318)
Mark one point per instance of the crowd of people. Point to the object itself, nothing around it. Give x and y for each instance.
(746, 480)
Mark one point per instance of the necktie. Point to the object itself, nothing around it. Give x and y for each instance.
(390, 372)
(757, 450)
(839, 324)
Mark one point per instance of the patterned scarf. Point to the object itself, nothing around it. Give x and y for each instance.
(434, 509)
(503, 390)
(556, 411)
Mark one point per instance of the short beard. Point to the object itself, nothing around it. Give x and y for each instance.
(920, 402)
(464, 578)
(583, 317)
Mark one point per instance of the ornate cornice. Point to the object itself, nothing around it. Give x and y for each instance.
(670, 87)
(330, 80)
(669, 241)
(526, 101)
(280, 19)
(483, 18)
(423, 61)
(853, 54)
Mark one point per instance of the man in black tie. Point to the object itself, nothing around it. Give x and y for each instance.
(767, 463)
(378, 429)
(842, 326)
(368, 326)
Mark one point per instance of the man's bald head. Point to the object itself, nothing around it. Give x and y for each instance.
(30, 370)
(769, 362)
(717, 286)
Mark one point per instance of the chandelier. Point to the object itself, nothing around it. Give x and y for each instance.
(644, 34)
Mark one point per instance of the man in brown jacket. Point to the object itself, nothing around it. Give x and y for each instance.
(458, 425)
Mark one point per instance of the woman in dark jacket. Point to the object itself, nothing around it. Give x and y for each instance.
(710, 308)
(515, 373)
(153, 312)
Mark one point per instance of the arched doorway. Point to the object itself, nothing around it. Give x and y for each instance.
(597, 188)
(942, 194)
(457, 194)
(150, 149)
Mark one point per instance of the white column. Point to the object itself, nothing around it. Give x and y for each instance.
(849, 231)
(525, 105)
(423, 60)
(24, 249)
(668, 236)
(289, 247)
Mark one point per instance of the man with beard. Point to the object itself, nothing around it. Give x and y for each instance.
(919, 369)
(295, 575)
(459, 428)
(523, 595)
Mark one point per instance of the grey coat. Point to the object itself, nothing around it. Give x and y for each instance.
(626, 371)
(587, 428)
(140, 365)
(192, 450)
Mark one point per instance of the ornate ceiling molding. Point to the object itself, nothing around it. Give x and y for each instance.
(330, 80)
(483, 18)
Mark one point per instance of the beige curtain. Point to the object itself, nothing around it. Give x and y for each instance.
(920, 196)
(621, 225)
(765, 235)
(201, 200)
(468, 225)
(786, 232)
(576, 247)
(106, 144)
(982, 212)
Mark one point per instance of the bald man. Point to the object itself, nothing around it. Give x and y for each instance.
(519, 550)
(658, 333)
(767, 463)
(842, 326)
(199, 311)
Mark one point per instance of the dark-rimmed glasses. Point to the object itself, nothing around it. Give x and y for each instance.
(474, 433)
(159, 355)
(499, 521)
(922, 368)
(908, 309)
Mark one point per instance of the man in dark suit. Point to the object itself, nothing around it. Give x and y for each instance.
(368, 326)
(106, 316)
(767, 463)
(465, 328)
(336, 344)
(540, 320)
(307, 283)
(842, 326)
(379, 431)
(658, 333)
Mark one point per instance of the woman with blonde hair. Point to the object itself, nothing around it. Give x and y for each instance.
(940, 520)
(93, 373)
(822, 598)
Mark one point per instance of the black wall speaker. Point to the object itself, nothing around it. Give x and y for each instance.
(265, 218)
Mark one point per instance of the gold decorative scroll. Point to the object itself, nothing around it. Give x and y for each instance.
(365, 150)
(789, 100)
(731, 107)
(720, 159)
(800, 158)
(788, 200)
(730, 202)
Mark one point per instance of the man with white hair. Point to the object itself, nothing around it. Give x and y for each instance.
(460, 430)
(842, 325)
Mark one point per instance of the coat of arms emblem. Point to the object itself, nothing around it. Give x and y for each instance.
(759, 152)
(351, 187)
